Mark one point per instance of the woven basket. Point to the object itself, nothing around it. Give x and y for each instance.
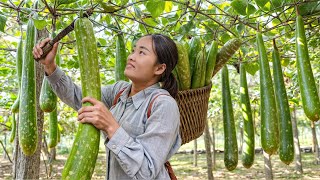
(193, 107)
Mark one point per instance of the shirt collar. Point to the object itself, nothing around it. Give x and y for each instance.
(141, 96)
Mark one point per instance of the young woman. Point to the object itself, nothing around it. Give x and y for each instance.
(138, 143)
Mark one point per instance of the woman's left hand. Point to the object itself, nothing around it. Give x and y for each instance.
(98, 115)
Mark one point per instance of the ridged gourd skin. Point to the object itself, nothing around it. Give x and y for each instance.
(248, 125)
(230, 138)
(121, 58)
(308, 89)
(286, 146)
(197, 72)
(183, 68)
(27, 128)
(53, 129)
(193, 50)
(82, 159)
(211, 61)
(19, 61)
(225, 53)
(269, 118)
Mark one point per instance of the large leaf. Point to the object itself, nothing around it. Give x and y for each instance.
(240, 6)
(261, 3)
(39, 24)
(3, 21)
(156, 7)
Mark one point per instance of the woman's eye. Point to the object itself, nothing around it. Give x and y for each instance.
(141, 52)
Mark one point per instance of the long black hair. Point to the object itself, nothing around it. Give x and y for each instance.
(167, 53)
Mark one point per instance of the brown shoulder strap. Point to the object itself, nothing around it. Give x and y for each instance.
(151, 103)
(170, 171)
(115, 100)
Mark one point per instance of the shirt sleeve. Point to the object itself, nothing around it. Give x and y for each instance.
(71, 94)
(144, 156)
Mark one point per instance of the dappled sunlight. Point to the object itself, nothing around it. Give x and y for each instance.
(300, 41)
(245, 116)
(242, 90)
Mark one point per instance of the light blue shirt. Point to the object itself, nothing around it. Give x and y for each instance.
(141, 146)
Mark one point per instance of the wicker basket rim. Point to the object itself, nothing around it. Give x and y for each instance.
(197, 89)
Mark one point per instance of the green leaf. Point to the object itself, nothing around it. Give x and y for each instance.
(155, 7)
(240, 28)
(150, 21)
(261, 3)
(252, 68)
(250, 9)
(240, 6)
(3, 21)
(184, 29)
(102, 41)
(39, 24)
(66, 1)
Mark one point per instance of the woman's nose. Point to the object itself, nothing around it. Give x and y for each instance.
(131, 57)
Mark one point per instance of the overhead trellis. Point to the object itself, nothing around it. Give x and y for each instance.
(219, 20)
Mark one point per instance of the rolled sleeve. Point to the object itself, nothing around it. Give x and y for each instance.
(119, 139)
(55, 76)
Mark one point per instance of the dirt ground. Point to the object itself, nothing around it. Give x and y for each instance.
(184, 169)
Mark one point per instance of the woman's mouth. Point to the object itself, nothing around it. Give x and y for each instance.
(129, 65)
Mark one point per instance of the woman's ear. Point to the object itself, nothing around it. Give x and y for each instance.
(160, 68)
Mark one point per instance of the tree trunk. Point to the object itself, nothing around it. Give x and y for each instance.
(315, 147)
(267, 166)
(213, 142)
(296, 142)
(27, 167)
(53, 154)
(208, 151)
(195, 153)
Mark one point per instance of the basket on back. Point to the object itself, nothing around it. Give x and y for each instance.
(193, 107)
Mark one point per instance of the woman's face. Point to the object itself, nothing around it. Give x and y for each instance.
(142, 63)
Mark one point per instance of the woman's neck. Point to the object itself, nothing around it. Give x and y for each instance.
(137, 87)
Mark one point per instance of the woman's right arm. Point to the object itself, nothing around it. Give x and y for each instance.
(65, 89)
(61, 84)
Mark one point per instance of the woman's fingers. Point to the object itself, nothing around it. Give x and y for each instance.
(87, 109)
(44, 42)
(91, 100)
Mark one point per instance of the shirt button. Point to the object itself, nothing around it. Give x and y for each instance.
(114, 146)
